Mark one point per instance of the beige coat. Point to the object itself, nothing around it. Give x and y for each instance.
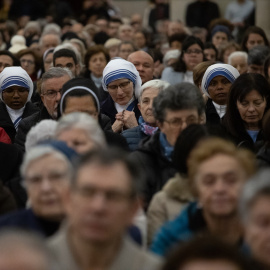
(167, 204)
(129, 257)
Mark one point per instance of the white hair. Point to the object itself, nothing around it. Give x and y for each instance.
(84, 122)
(237, 54)
(40, 151)
(33, 24)
(159, 85)
(171, 54)
(42, 131)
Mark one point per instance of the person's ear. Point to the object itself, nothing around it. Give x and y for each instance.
(139, 106)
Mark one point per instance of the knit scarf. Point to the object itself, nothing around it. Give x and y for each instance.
(146, 128)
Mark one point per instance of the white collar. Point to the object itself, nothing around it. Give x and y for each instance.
(15, 114)
(221, 109)
(120, 108)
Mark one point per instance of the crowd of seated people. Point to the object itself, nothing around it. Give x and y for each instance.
(136, 142)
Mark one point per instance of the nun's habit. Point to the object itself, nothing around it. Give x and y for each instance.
(10, 118)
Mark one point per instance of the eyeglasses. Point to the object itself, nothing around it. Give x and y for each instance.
(25, 61)
(112, 196)
(11, 92)
(193, 51)
(178, 122)
(123, 86)
(51, 94)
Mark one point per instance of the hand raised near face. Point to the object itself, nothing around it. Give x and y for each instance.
(128, 118)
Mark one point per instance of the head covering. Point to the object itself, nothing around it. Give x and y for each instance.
(78, 84)
(121, 69)
(45, 54)
(215, 70)
(18, 43)
(221, 28)
(15, 76)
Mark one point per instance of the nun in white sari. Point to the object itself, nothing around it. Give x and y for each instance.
(123, 82)
(16, 89)
(216, 84)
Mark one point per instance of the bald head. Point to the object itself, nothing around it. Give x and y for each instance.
(144, 63)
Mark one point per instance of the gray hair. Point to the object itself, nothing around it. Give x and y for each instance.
(15, 241)
(258, 185)
(55, 72)
(84, 122)
(52, 28)
(42, 131)
(182, 96)
(257, 55)
(33, 24)
(39, 152)
(159, 85)
(45, 34)
(237, 54)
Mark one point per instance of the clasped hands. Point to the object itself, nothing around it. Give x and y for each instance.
(124, 119)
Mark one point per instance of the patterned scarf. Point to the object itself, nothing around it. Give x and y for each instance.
(145, 128)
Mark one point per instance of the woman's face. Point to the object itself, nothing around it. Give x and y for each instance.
(28, 63)
(97, 63)
(193, 56)
(219, 38)
(254, 40)
(251, 109)
(121, 91)
(139, 40)
(210, 54)
(48, 62)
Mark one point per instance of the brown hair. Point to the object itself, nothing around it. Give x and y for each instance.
(211, 147)
(199, 71)
(94, 50)
(227, 46)
(32, 52)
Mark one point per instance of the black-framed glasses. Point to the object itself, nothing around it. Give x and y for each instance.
(123, 86)
(51, 94)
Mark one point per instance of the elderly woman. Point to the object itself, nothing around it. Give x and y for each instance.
(248, 101)
(216, 84)
(217, 171)
(147, 122)
(16, 88)
(47, 174)
(80, 131)
(123, 82)
(239, 60)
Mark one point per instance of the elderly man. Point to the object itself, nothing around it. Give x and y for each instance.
(254, 211)
(99, 210)
(47, 173)
(144, 64)
(217, 171)
(51, 86)
(48, 41)
(174, 109)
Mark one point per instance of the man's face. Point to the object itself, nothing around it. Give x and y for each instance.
(175, 28)
(51, 94)
(125, 50)
(218, 183)
(240, 63)
(47, 182)
(100, 208)
(49, 41)
(176, 121)
(144, 64)
(113, 29)
(67, 62)
(5, 61)
(257, 229)
(219, 89)
(146, 105)
(126, 33)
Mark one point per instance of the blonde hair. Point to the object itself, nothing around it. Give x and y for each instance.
(211, 147)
